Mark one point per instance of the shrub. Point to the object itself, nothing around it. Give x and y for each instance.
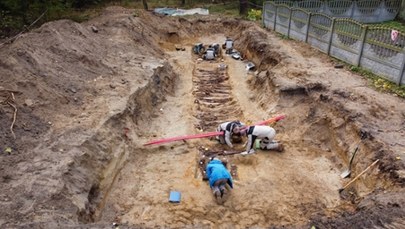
(254, 15)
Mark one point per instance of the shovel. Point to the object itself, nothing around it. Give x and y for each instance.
(357, 177)
(347, 172)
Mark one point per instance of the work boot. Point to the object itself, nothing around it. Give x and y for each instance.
(280, 147)
(274, 145)
(222, 189)
(263, 144)
(218, 196)
(225, 193)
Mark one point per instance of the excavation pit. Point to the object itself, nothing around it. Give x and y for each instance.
(79, 155)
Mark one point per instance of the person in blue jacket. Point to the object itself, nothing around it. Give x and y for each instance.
(218, 177)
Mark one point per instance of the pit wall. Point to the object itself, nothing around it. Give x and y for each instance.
(307, 105)
(323, 123)
(99, 160)
(380, 50)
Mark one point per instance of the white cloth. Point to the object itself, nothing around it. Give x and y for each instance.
(226, 138)
(260, 132)
(394, 35)
(228, 44)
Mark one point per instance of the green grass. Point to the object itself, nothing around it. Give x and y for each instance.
(380, 83)
(284, 37)
(229, 9)
(393, 24)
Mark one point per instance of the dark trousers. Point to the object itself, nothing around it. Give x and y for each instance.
(219, 185)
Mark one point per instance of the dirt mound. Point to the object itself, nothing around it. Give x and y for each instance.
(69, 83)
(86, 99)
(333, 117)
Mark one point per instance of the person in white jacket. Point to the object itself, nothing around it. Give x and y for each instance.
(266, 135)
(229, 128)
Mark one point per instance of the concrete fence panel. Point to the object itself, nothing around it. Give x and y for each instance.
(299, 24)
(346, 42)
(284, 2)
(320, 28)
(375, 11)
(269, 15)
(314, 6)
(366, 10)
(282, 19)
(383, 53)
(339, 8)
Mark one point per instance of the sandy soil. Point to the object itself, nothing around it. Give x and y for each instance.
(87, 102)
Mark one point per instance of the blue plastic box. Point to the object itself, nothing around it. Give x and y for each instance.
(174, 197)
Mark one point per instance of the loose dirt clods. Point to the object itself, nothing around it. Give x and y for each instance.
(87, 102)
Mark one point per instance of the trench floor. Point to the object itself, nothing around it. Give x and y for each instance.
(272, 188)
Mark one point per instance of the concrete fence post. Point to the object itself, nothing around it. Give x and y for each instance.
(289, 23)
(363, 41)
(402, 11)
(264, 14)
(308, 24)
(402, 70)
(353, 8)
(332, 28)
(275, 17)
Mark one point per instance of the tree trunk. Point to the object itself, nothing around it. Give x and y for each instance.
(243, 7)
(183, 2)
(145, 4)
(402, 11)
(24, 11)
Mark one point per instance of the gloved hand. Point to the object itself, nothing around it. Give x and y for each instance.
(252, 151)
(244, 153)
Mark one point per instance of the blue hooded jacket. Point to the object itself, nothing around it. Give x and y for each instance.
(216, 170)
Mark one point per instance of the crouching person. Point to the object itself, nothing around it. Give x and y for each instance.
(266, 135)
(231, 130)
(218, 177)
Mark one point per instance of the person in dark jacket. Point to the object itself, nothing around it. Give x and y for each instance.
(218, 177)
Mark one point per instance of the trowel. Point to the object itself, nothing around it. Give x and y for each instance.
(347, 172)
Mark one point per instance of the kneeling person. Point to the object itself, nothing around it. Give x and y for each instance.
(218, 177)
(266, 135)
(229, 128)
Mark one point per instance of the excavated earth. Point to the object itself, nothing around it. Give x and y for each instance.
(78, 105)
